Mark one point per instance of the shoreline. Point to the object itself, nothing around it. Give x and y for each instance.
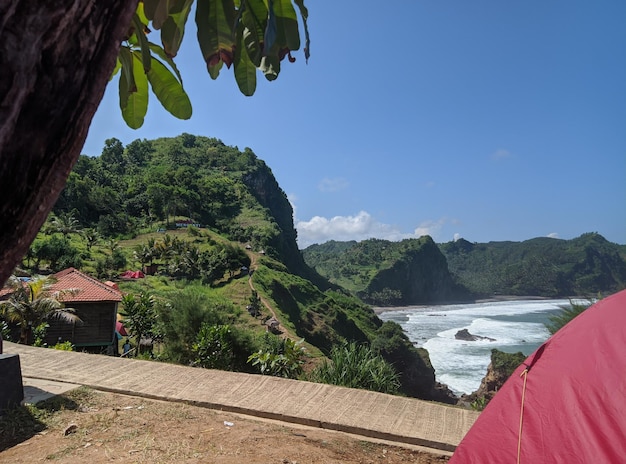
(493, 299)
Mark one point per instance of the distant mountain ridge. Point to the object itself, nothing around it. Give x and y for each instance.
(387, 273)
(583, 266)
(418, 271)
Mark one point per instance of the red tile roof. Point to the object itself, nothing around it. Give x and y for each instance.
(90, 289)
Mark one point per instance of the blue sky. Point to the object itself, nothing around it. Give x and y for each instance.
(486, 120)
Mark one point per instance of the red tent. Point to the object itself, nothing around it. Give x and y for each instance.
(132, 275)
(570, 406)
(120, 329)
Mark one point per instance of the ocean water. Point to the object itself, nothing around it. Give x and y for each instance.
(515, 326)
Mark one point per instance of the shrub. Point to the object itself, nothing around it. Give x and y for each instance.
(214, 348)
(39, 334)
(567, 314)
(64, 346)
(505, 363)
(280, 358)
(181, 319)
(59, 252)
(357, 366)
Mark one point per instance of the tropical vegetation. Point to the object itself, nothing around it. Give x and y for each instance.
(247, 34)
(356, 365)
(33, 302)
(417, 271)
(567, 313)
(214, 233)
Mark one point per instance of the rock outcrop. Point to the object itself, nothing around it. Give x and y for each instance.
(464, 334)
(500, 369)
(419, 276)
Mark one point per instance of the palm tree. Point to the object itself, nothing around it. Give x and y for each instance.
(91, 237)
(144, 254)
(65, 224)
(33, 302)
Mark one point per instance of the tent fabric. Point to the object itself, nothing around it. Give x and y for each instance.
(132, 275)
(574, 400)
(119, 328)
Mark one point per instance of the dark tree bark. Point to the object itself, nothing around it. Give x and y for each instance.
(56, 57)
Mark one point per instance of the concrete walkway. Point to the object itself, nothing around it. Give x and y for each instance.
(365, 413)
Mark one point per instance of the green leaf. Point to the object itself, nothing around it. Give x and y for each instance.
(214, 70)
(150, 7)
(169, 90)
(161, 54)
(140, 11)
(157, 11)
(136, 105)
(143, 43)
(215, 20)
(288, 35)
(270, 66)
(173, 28)
(127, 79)
(270, 45)
(245, 70)
(305, 16)
(254, 19)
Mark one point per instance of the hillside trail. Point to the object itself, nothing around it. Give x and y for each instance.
(286, 333)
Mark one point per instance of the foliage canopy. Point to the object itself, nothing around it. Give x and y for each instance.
(245, 34)
(32, 303)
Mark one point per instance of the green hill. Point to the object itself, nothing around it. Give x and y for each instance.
(381, 272)
(417, 271)
(584, 266)
(198, 214)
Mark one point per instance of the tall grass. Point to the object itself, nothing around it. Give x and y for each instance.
(357, 366)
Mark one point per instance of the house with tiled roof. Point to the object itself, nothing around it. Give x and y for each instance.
(95, 302)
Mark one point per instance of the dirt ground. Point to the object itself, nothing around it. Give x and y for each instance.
(86, 426)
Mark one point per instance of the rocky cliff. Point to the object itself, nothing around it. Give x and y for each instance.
(500, 369)
(420, 276)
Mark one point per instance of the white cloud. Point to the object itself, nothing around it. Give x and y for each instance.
(429, 228)
(457, 237)
(362, 226)
(333, 184)
(553, 235)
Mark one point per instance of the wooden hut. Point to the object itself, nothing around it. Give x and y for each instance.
(96, 303)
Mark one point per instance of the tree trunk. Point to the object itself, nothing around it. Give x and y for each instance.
(56, 57)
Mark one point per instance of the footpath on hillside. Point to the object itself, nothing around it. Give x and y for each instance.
(369, 414)
(253, 264)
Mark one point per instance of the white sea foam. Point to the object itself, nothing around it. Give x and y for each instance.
(515, 326)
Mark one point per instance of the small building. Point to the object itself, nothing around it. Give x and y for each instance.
(184, 223)
(95, 302)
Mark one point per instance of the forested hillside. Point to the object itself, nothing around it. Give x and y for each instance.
(128, 188)
(584, 266)
(212, 225)
(417, 271)
(385, 273)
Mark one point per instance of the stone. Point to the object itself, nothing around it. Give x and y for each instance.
(464, 334)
